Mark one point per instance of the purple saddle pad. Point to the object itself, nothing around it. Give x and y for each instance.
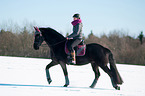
(80, 50)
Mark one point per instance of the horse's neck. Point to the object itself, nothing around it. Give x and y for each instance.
(51, 40)
(52, 37)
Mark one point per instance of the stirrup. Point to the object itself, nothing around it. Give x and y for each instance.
(71, 61)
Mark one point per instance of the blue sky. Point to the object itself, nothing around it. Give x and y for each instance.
(101, 16)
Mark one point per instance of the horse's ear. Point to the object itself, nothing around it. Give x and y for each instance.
(36, 29)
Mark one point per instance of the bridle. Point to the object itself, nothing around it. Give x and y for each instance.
(37, 32)
(41, 37)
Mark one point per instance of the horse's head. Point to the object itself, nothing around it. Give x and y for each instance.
(38, 39)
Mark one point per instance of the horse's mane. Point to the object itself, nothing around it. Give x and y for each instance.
(51, 32)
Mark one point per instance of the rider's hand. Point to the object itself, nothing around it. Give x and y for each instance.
(68, 38)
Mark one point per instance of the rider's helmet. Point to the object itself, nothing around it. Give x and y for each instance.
(76, 16)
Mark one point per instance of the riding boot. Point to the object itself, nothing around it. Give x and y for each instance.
(71, 59)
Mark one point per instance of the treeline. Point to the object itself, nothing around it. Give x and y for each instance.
(20, 44)
(126, 49)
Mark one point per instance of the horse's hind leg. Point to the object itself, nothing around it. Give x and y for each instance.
(47, 71)
(108, 71)
(97, 74)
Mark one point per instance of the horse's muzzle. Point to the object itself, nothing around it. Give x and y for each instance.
(35, 46)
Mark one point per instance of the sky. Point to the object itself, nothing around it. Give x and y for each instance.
(100, 16)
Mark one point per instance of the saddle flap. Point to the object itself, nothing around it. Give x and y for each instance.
(79, 49)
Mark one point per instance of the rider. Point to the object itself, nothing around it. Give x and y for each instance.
(76, 37)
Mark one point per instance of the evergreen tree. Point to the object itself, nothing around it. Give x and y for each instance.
(141, 38)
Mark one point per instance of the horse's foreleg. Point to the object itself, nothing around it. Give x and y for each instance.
(47, 71)
(64, 68)
(97, 74)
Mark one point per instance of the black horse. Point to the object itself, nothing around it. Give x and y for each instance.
(96, 55)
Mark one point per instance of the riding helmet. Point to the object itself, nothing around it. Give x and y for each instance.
(76, 16)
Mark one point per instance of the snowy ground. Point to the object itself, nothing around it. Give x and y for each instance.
(26, 77)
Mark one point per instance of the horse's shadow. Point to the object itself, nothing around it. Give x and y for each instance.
(45, 86)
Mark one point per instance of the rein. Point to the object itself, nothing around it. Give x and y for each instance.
(38, 32)
(52, 44)
(58, 43)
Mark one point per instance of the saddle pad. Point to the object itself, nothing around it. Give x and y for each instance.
(80, 50)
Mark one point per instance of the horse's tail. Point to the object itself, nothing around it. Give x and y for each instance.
(116, 76)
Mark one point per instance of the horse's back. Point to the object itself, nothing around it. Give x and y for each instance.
(97, 52)
(97, 47)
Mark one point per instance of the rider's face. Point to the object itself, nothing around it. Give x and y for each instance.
(75, 18)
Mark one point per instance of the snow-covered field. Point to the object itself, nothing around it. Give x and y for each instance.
(26, 77)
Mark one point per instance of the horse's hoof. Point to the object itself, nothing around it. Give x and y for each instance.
(65, 85)
(117, 88)
(91, 86)
(49, 81)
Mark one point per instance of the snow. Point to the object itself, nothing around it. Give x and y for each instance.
(26, 77)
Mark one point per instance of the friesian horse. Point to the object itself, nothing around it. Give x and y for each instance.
(96, 55)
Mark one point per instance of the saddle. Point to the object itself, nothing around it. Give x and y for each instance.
(80, 49)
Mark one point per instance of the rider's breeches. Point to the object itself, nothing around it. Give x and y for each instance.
(73, 43)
